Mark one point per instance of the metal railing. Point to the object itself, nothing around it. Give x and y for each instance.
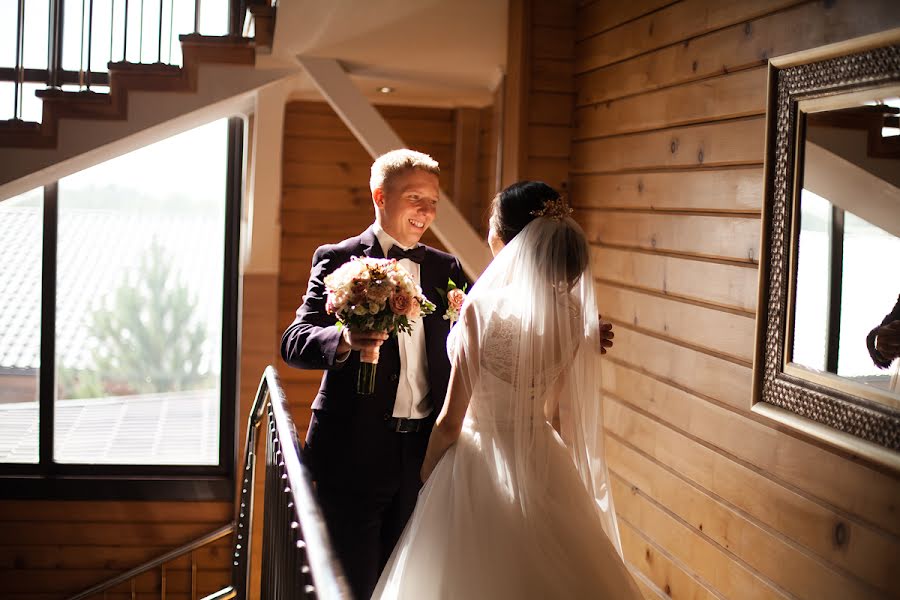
(159, 562)
(297, 559)
(108, 31)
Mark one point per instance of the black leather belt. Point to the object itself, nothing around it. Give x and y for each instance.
(401, 425)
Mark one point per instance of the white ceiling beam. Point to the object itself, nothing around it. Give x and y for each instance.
(377, 137)
(852, 188)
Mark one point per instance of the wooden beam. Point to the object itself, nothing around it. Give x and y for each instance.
(514, 133)
(465, 164)
(852, 188)
(377, 137)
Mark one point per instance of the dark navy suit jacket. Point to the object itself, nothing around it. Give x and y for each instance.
(346, 427)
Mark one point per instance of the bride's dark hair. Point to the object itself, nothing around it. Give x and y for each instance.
(513, 209)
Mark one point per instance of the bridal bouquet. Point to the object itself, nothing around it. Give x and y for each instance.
(373, 294)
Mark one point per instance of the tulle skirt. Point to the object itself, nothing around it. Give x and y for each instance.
(481, 531)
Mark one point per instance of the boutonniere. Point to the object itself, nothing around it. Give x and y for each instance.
(454, 296)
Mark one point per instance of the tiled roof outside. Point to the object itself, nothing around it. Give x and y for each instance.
(175, 428)
(97, 249)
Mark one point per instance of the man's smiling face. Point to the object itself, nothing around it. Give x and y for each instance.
(407, 205)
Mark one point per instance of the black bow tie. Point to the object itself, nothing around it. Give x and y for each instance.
(417, 254)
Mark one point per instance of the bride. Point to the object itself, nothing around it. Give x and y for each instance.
(517, 499)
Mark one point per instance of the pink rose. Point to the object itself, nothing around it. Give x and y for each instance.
(415, 310)
(401, 303)
(455, 298)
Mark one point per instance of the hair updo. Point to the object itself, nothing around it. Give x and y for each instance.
(512, 210)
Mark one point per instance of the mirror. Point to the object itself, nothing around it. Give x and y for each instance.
(829, 292)
(846, 280)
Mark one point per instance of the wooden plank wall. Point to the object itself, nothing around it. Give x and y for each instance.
(666, 174)
(326, 198)
(50, 550)
(551, 91)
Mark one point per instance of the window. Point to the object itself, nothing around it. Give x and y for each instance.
(845, 285)
(118, 319)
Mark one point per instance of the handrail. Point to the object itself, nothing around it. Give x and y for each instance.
(156, 562)
(297, 557)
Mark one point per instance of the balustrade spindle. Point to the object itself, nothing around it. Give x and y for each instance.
(54, 43)
(196, 17)
(90, 41)
(125, 34)
(171, 26)
(193, 577)
(112, 26)
(141, 39)
(19, 81)
(159, 40)
(81, 49)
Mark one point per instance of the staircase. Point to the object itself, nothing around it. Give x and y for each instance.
(141, 97)
(124, 79)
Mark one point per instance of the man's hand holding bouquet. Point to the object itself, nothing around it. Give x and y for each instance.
(374, 298)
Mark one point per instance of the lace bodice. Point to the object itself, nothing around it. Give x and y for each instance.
(499, 353)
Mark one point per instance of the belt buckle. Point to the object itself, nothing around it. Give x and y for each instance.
(405, 426)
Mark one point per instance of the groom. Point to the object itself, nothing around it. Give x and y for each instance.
(365, 452)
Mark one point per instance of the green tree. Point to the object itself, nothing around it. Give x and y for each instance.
(149, 340)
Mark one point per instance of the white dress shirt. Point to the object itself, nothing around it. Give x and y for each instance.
(412, 389)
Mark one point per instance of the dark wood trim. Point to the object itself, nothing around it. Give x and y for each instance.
(110, 488)
(835, 289)
(229, 445)
(47, 374)
(516, 93)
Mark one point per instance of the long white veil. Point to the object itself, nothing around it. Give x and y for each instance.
(528, 347)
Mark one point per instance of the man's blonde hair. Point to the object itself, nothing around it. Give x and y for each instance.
(392, 163)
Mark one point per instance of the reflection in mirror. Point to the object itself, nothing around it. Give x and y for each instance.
(846, 311)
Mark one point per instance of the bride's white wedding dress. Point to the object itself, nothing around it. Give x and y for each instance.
(511, 510)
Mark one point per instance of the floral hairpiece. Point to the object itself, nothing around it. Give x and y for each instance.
(556, 209)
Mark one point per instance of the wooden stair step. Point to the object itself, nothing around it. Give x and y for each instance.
(25, 134)
(58, 95)
(263, 24)
(198, 39)
(19, 125)
(125, 77)
(82, 104)
(145, 69)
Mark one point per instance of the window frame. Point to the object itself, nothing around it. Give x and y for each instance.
(47, 479)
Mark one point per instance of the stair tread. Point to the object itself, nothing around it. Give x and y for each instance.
(90, 104)
(195, 39)
(52, 94)
(19, 125)
(145, 68)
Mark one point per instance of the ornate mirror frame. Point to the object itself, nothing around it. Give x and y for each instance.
(830, 413)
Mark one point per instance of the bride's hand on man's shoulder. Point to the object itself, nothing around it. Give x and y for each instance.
(606, 335)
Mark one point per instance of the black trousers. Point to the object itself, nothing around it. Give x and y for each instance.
(366, 512)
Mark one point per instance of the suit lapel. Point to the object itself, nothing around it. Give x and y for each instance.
(433, 277)
(430, 282)
(369, 241)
